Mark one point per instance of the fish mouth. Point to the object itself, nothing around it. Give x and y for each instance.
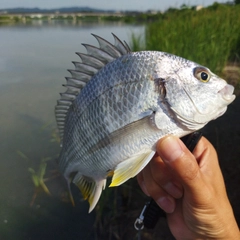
(227, 93)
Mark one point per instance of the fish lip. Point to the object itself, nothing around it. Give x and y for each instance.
(227, 93)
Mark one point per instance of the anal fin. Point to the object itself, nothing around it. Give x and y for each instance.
(70, 192)
(131, 167)
(90, 189)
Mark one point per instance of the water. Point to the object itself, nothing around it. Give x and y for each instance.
(33, 63)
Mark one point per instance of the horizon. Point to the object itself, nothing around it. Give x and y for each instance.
(124, 5)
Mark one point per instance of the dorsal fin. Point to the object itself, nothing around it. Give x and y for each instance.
(95, 59)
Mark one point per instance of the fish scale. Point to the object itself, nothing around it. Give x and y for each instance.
(98, 106)
(118, 104)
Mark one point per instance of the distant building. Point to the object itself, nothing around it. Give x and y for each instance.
(199, 7)
(36, 15)
(152, 12)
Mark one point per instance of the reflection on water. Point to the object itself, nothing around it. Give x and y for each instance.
(33, 63)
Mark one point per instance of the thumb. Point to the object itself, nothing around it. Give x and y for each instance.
(180, 161)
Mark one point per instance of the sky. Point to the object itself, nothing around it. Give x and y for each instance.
(139, 5)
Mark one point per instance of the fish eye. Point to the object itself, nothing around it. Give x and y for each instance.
(202, 74)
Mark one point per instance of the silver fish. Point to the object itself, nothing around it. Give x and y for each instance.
(119, 103)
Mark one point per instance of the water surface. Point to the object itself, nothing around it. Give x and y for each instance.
(33, 63)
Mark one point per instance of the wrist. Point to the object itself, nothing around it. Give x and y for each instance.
(226, 229)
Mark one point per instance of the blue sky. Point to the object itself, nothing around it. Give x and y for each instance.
(140, 5)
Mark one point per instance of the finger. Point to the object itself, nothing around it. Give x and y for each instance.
(180, 161)
(161, 197)
(142, 183)
(207, 159)
(164, 178)
(206, 149)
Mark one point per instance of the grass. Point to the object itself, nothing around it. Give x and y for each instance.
(210, 36)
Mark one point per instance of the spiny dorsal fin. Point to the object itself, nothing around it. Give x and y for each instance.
(108, 47)
(122, 47)
(95, 59)
(91, 61)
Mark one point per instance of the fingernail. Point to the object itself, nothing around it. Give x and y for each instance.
(170, 149)
(167, 204)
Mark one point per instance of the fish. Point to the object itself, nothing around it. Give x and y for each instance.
(119, 103)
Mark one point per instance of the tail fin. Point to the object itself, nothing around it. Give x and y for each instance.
(90, 189)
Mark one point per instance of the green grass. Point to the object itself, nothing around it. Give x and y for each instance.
(210, 36)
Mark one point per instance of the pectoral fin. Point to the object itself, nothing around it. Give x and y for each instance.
(131, 167)
(90, 189)
(124, 132)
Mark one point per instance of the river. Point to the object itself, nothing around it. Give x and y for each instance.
(34, 59)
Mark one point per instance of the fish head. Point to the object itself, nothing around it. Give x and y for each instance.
(196, 95)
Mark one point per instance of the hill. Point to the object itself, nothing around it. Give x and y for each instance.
(53, 10)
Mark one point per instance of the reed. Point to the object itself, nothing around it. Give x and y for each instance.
(210, 36)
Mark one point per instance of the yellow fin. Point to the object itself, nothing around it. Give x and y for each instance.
(110, 173)
(131, 167)
(91, 189)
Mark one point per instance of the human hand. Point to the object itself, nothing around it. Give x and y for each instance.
(189, 187)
